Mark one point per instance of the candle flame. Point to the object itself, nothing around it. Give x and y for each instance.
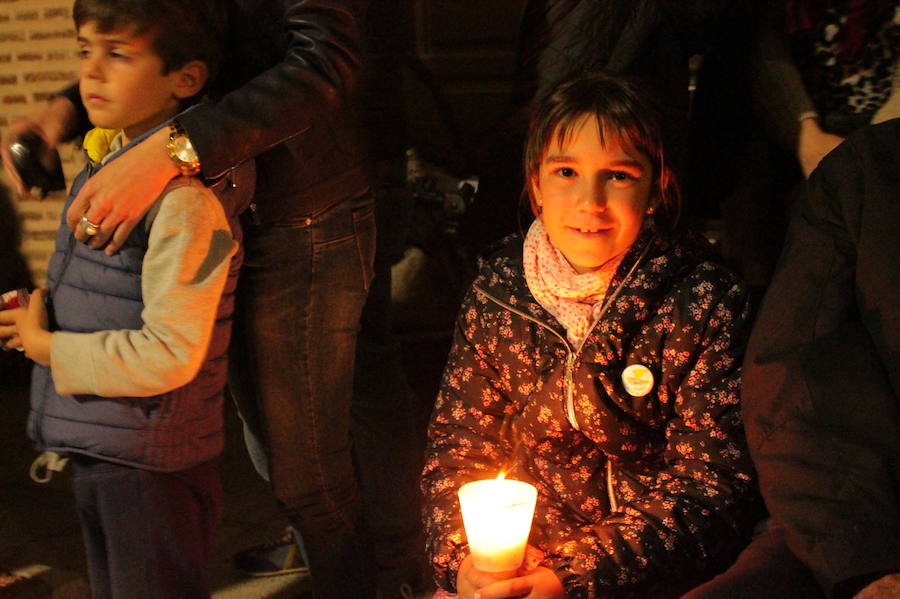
(501, 476)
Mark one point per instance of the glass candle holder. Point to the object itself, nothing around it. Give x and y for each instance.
(497, 516)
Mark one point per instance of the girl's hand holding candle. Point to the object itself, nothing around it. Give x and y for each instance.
(497, 517)
(528, 582)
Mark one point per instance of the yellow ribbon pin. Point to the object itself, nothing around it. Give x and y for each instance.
(96, 143)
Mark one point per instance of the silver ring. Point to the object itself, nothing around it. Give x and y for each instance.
(90, 229)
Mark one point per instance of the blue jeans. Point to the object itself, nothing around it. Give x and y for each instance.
(148, 535)
(299, 300)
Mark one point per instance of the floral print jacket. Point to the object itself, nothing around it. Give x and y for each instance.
(636, 493)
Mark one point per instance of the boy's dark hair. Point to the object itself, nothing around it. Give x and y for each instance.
(182, 30)
(622, 107)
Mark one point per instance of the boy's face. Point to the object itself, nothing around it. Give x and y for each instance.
(122, 81)
(592, 197)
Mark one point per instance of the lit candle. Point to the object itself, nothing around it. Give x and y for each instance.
(497, 517)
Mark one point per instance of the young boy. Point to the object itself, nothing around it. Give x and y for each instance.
(129, 377)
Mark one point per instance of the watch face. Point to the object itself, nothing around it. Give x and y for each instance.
(183, 149)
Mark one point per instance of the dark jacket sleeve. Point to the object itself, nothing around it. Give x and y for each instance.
(319, 69)
(822, 372)
(82, 124)
(679, 516)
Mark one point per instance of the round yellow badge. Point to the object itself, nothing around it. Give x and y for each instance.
(638, 380)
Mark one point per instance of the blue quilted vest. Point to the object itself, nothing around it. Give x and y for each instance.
(90, 291)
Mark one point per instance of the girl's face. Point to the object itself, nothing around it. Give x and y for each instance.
(592, 197)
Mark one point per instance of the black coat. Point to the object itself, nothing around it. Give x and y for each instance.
(822, 373)
(288, 79)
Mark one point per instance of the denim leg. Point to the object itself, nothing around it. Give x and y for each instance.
(148, 535)
(300, 296)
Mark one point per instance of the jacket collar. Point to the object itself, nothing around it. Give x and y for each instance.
(653, 258)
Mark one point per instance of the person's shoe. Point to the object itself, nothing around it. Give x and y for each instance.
(274, 558)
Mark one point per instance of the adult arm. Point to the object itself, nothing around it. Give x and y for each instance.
(312, 81)
(783, 99)
(54, 122)
(588, 36)
(184, 273)
(319, 69)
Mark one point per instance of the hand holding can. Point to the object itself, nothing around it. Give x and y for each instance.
(16, 298)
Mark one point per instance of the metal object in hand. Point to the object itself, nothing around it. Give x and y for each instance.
(37, 165)
(90, 229)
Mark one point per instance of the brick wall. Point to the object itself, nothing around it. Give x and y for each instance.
(38, 56)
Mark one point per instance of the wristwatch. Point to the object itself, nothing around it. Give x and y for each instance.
(181, 151)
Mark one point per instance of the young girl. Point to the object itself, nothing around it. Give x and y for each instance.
(599, 361)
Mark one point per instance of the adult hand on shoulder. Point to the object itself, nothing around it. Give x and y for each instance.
(119, 195)
(51, 122)
(886, 587)
(813, 144)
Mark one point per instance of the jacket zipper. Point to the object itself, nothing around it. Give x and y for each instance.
(70, 241)
(569, 378)
(38, 434)
(572, 352)
(570, 363)
(570, 391)
(572, 355)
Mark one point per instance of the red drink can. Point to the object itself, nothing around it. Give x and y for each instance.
(17, 298)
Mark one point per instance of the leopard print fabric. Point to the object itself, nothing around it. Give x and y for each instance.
(859, 87)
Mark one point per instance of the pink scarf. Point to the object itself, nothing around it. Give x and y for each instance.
(573, 299)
